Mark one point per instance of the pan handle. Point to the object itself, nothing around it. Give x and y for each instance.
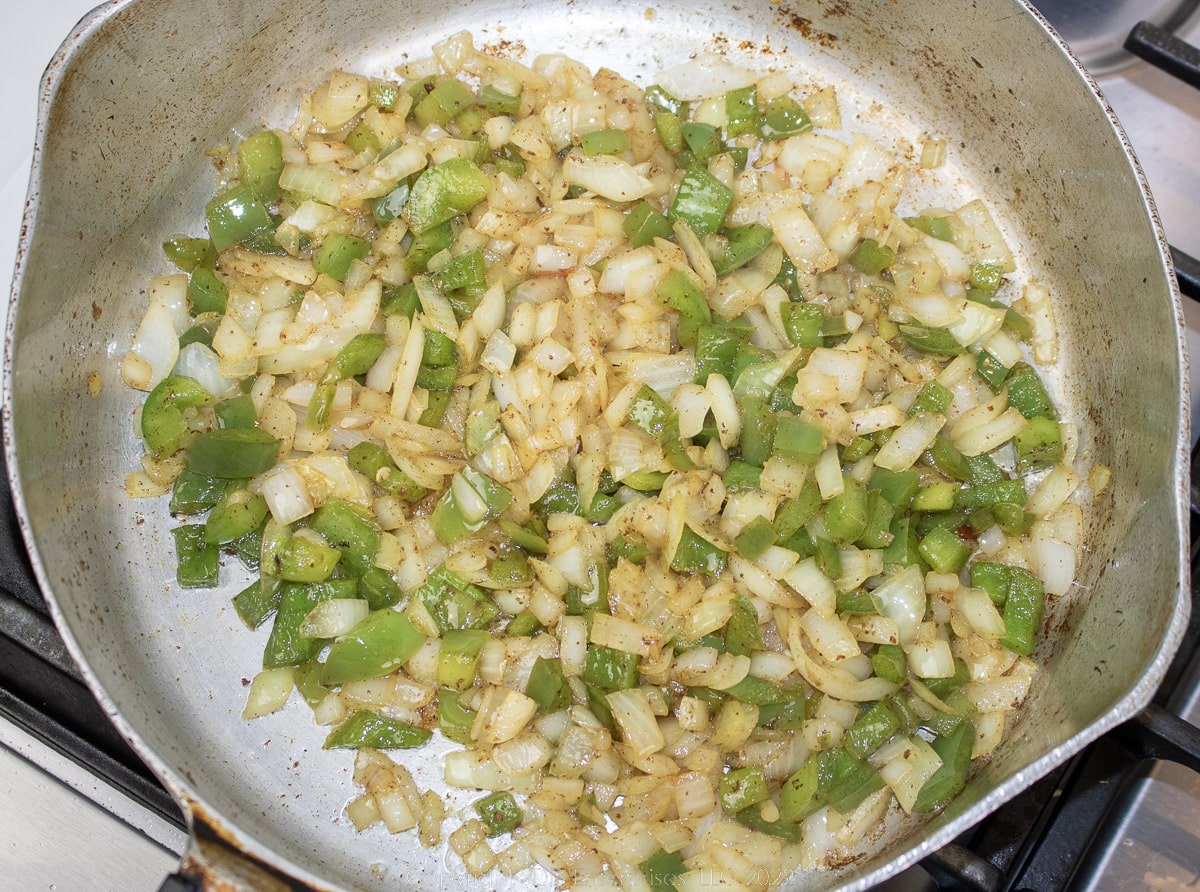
(215, 863)
(177, 882)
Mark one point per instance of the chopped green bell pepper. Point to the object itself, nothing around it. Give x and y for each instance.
(370, 729)
(164, 422)
(443, 192)
(377, 646)
(232, 452)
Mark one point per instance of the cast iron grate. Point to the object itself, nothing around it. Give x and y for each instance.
(1178, 58)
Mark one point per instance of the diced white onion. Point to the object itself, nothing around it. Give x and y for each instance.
(706, 75)
(902, 599)
(980, 612)
(1053, 562)
(286, 495)
(200, 362)
(932, 659)
(333, 618)
(269, 692)
(606, 175)
(909, 440)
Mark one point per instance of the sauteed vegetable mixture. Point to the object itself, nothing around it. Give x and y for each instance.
(646, 443)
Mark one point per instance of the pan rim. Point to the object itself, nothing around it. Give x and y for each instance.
(1136, 699)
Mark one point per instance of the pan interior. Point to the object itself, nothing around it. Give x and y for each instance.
(151, 84)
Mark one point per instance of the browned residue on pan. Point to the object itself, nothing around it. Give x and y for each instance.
(806, 29)
(217, 862)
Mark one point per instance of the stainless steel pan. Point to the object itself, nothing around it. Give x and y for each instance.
(141, 88)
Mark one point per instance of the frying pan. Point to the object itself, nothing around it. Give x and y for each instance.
(142, 87)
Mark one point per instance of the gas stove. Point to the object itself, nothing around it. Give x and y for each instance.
(79, 811)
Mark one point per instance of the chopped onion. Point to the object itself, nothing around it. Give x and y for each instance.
(801, 240)
(606, 175)
(932, 659)
(828, 473)
(909, 441)
(1053, 490)
(906, 764)
(202, 363)
(287, 496)
(1054, 562)
(834, 681)
(331, 619)
(814, 586)
(830, 636)
(706, 75)
(632, 713)
(269, 692)
(980, 612)
(902, 599)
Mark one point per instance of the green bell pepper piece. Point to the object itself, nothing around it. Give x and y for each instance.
(1039, 444)
(802, 323)
(695, 554)
(190, 254)
(643, 224)
(938, 227)
(500, 812)
(257, 601)
(1027, 393)
(351, 529)
(871, 730)
(604, 142)
(702, 201)
(260, 162)
(196, 560)
(443, 103)
(454, 720)
(755, 538)
(846, 513)
(238, 411)
(458, 657)
(304, 558)
(661, 869)
(370, 729)
(448, 522)
(372, 460)
(944, 551)
(206, 292)
(445, 191)
(800, 795)
(1024, 608)
(377, 587)
(455, 603)
(782, 118)
(337, 251)
(497, 101)
(946, 783)
(379, 645)
(232, 452)
(236, 216)
(547, 685)
(285, 645)
(889, 663)
(237, 515)
(609, 669)
(164, 422)
(870, 257)
(741, 788)
(935, 341)
(798, 440)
